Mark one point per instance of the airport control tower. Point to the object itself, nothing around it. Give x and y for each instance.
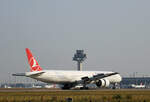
(79, 56)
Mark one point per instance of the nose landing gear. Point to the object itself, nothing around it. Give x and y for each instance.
(116, 86)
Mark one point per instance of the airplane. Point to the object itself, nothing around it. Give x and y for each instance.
(138, 86)
(69, 78)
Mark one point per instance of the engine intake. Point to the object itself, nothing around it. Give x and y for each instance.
(103, 83)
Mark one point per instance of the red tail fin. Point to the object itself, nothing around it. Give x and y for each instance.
(34, 66)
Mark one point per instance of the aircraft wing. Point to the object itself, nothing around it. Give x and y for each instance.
(87, 80)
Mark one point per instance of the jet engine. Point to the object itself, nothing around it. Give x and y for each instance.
(103, 83)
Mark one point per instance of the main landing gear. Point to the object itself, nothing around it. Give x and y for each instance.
(67, 86)
(115, 86)
(84, 87)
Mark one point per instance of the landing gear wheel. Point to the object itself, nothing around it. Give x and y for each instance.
(67, 86)
(84, 88)
(114, 86)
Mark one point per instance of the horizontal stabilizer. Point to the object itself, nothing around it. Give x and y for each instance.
(18, 74)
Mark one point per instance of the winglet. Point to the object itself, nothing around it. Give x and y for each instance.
(34, 66)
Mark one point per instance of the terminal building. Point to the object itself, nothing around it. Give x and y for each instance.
(128, 81)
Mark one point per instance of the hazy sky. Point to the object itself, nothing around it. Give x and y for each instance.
(115, 34)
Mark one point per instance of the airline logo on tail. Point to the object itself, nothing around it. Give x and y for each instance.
(34, 66)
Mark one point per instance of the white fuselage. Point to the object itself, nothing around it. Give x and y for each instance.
(61, 76)
(137, 86)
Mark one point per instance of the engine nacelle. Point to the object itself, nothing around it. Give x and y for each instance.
(103, 83)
